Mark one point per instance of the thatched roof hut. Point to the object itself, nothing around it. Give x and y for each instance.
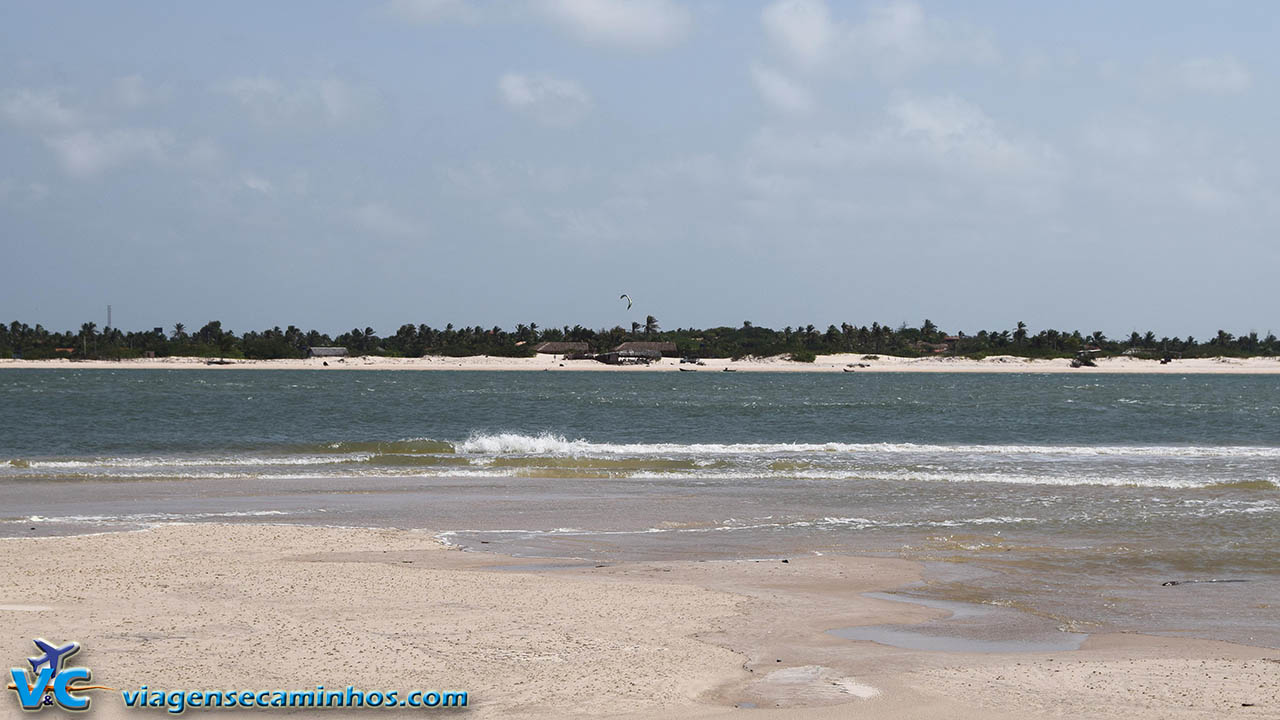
(667, 349)
(326, 352)
(629, 357)
(562, 348)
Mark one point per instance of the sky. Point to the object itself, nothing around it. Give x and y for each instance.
(1093, 165)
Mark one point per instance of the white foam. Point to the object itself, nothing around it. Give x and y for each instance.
(854, 474)
(150, 517)
(551, 444)
(162, 462)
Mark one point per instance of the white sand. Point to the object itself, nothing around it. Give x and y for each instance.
(851, 362)
(218, 606)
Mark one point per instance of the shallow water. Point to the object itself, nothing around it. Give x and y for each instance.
(1074, 497)
(969, 628)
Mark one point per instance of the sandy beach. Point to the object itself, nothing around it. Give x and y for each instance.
(851, 362)
(208, 606)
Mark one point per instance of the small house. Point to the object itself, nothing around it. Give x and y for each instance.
(629, 357)
(562, 348)
(326, 352)
(663, 349)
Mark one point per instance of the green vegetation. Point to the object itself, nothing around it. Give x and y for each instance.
(802, 344)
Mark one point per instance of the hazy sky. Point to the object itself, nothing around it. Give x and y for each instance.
(1104, 165)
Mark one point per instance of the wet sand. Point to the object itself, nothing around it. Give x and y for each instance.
(209, 606)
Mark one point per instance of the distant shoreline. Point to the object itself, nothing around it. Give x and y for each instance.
(851, 363)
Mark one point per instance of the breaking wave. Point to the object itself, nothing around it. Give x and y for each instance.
(549, 455)
(551, 444)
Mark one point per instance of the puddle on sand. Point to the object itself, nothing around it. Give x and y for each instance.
(543, 567)
(970, 628)
(804, 685)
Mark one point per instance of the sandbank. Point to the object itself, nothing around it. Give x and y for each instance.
(207, 606)
(843, 363)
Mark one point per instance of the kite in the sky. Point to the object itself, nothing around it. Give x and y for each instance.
(626, 297)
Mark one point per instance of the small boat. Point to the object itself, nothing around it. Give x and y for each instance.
(731, 370)
(848, 369)
(687, 370)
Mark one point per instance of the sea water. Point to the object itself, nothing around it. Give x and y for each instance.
(1075, 497)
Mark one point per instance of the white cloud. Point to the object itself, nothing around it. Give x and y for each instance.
(261, 96)
(924, 157)
(1147, 165)
(899, 37)
(1223, 75)
(1130, 139)
(38, 110)
(780, 91)
(37, 191)
(941, 120)
(432, 11)
(203, 154)
(331, 101)
(133, 92)
(547, 99)
(802, 30)
(22, 194)
(890, 40)
(257, 183)
(632, 24)
(341, 101)
(88, 144)
(626, 24)
(957, 130)
(85, 153)
(1206, 195)
(380, 219)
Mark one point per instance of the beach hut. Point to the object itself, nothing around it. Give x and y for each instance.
(629, 357)
(562, 348)
(663, 349)
(326, 352)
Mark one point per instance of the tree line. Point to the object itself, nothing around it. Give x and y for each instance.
(802, 342)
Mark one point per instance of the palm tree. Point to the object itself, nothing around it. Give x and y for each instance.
(650, 325)
(88, 331)
(1020, 335)
(928, 330)
(179, 331)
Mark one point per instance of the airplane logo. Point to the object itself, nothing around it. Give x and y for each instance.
(53, 656)
(50, 682)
